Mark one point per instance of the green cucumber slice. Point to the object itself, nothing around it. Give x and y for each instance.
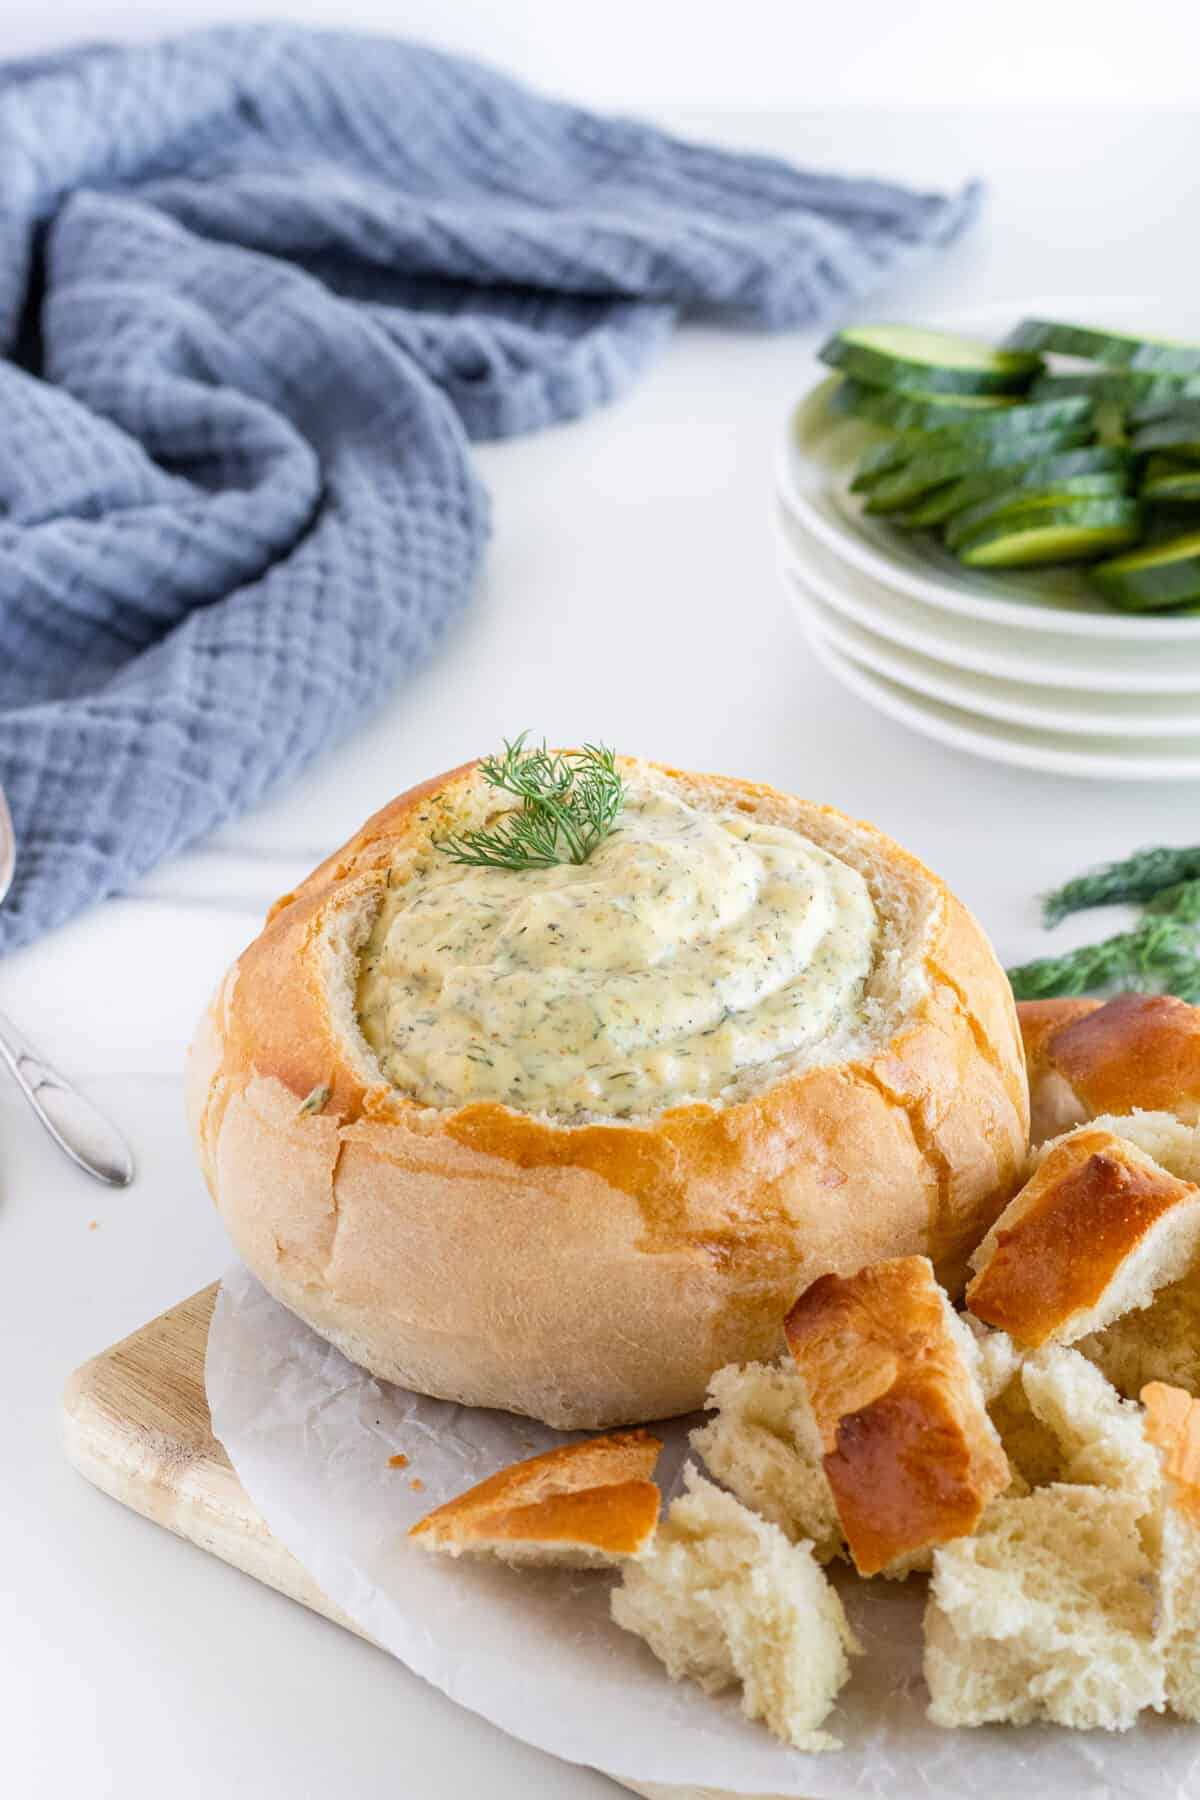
(902, 411)
(892, 493)
(960, 455)
(1008, 501)
(1167, 481)
(1124, 387)
(1180, 436)
(1183, 403)
(1109, 469)
(1167, 574)
(928, 362)
(1113, 348)
(1064, 531)
(966, 415)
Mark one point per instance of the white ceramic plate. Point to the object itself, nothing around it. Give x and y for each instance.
(1098, 759)
(819, 453)
(1118, 716)
(1038, 659)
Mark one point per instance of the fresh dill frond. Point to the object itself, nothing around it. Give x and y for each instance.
(569, 801)
(1137, 878)
(1181, 901)
(1160, 955)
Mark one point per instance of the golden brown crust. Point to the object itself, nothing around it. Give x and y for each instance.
(596, 1497)
(1090, 1204)
(1136, 1051)
(1172, 1424)
(909, 1451)
(1042, 1020)
(599, 1274)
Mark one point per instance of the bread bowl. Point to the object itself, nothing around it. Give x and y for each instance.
(593, 1262)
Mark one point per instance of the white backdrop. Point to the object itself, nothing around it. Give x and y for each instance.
(742, 53)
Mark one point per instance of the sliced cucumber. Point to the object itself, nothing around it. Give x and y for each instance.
(1113, 348)
(1108, 469)
(966, 415)
(966, 454)
(1181, 436)
(928, 362)
(893, 492)
(1017, 498)
(1064, 531)
(1169, 482)
(1167, 574)
(916, 411)
(1183, 403)
(1126, 387)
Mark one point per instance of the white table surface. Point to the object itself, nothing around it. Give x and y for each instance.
(630, 593)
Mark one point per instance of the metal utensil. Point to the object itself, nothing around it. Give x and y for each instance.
(73, 1122)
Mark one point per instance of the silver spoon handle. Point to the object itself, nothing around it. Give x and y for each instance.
(72, 1121)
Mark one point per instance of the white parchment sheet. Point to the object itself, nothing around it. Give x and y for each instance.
(536, 1653)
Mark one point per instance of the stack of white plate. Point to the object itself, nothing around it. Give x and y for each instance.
(1031, 668)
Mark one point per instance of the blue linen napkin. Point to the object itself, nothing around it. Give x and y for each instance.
(258, 286)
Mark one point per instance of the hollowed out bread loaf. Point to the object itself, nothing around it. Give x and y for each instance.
(1094, 1056)
(1046, 1613)
(725, 1600)
(597, 1271)
(911, 1456)
(1173, 1426)
(583, 1506)
(1095, 1233)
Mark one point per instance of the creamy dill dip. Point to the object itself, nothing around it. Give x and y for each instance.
(690, 950)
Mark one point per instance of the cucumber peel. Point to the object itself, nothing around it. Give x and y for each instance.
(1077, 530)
(967, 416)
(1166, 480)
(1007, 502)
(908, 358)
(1164, 575)
(961, 455)
(1181, 436)
(1112, 348)
(1103, 471)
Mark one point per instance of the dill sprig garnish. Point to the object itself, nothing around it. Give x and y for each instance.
(1179, 901)
(1138, 877)
(1159, 955)
(569, 801)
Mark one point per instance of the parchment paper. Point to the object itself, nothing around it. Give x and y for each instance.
(536, 1653)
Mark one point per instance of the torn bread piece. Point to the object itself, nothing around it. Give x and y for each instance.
(1087, 1057)
(725, 1599)
(585, 1506)
(1095, 1232)
(1046, 1613)
(762, 1443)
(909, 1451)
(1172, 1424)
(995, 1360)
(1061, 1421)
(1171, 1143)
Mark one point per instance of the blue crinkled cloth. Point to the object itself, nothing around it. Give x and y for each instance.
(258, 287)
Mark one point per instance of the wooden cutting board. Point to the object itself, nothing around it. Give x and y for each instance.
(135, 1422)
